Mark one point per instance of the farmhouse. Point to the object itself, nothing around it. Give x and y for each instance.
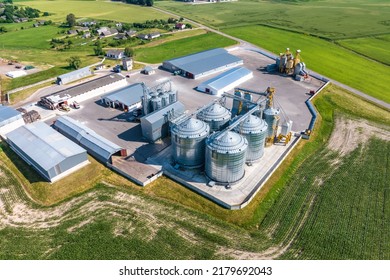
(180, 26)
(96, 145)
(130, 33)
(226, 81)
(50, 153)
(203, 63)
(115, 54)
(84, 91)
(127, 99)
(10, 119)
(73, 76)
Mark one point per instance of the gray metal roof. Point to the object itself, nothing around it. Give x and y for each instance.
(226, 78)
(8, 115)
(129, 95)
(85, 87)
(80, 72)
(202, 62)
(86, 137)
(43, 144)
(159, 116)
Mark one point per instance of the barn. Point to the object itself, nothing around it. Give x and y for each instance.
(49, 152)
(226, 81)
(10, 119)
(84, 91)
(73, 76)
(203, 63)
(127, 98)
(96, 145)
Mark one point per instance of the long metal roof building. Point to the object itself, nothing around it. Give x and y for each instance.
(203, 63)
(49, 152)
(98, 146)
(127, 98)
(10, 119)
(226, 81)
(156, 124)
(73, 76)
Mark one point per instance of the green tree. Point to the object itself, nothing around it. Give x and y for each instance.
(71, 20)
(149, 3)
(74, 62)
(129, 52)
(98, 49)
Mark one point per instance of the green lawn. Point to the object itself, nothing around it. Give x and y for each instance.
(95, 9)
(377, 47)
(182, 47)
(323, 57)
(328, 18)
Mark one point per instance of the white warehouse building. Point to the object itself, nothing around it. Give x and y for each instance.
(226, 81)
(10, 119)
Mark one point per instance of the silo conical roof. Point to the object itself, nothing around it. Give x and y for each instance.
(215, 112)
(229, 143)
(191, 128)
(253, 124)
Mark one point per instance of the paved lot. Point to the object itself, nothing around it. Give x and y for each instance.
(113, 124)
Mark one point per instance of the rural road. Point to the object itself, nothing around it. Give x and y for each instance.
(247, 45)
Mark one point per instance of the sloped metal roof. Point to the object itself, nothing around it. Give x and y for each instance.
(226, 78)
(202, 62)
(128, 95)
(43, 144)
(86, 137)
(8, 115)
(76, 74)
(159, 116)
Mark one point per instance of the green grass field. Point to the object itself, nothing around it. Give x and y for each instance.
(376, 47)
(95, 9)
(182, 47)
(328, 18)
(323, 57)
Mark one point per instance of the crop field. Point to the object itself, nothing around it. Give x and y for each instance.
(323, 57)
(95, 9)
(329, 18)
(182, 47)
(376, 47)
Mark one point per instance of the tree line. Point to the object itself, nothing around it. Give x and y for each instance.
(148, 3)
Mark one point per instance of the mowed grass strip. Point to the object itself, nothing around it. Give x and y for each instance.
(377, 47)
(105, 10)
(182, 47)
(324, 57)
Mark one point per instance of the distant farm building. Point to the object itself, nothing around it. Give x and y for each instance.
(148, 70)
(180, 26)
(50, 153)
(73, 76)
(84, 91)
(96, 145)
(203, 63)
(127, 99)
(226, 81)
(115, 54)
(10, 119)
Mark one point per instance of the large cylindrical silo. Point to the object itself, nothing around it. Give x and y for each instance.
(172, 97)
(271, 117)
(164, 99)
(188, 142)
(216, 116)
(156, 103)
(255, 131)
(225, 157)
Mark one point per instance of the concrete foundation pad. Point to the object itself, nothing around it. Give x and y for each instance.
(235, 196)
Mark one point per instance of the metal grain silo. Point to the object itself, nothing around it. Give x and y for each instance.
(156, 103)
(225, 157)
(172, 97)
(271, 117)
(188, 142)
(216, 116)
(164, 99)
(255, 131)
